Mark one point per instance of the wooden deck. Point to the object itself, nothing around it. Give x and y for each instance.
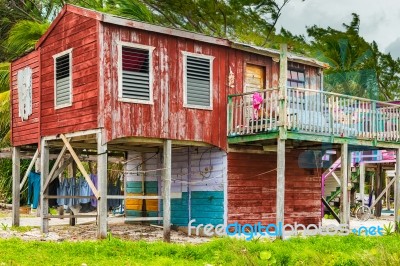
(312, 115)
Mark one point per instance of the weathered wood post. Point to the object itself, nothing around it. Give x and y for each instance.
(280, 175)
(344, 197)
(16, 183)
(378, 190)
(362, 182)
(166, 178)
(396, 193)
(349, 185)
(72, 220)
(44, 201)
(102, 187)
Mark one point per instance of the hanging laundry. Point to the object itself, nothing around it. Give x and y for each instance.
(93, 201)
(63, 190)
(114, 189)
(53, 187)
(84, 190)
(33, 189)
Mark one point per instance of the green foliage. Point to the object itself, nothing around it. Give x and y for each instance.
(4, 226)
(4, 78)
(23, 36)
(349, 250)
(388, 229)
(6, 180)
(23, 229)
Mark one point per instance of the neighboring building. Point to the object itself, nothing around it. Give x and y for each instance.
(140, 84)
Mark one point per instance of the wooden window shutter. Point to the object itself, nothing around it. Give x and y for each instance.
(135, 73)
(63, 80)
(198, 87)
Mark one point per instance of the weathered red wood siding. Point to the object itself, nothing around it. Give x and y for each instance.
(79, 33)
(237, 64)
(166, 118)
(252, 194)
(239, 59)
(25, 132)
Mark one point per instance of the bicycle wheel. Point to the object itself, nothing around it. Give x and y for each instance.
(363, 213)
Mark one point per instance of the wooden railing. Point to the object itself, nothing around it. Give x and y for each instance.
(315, 112)
(245, 117)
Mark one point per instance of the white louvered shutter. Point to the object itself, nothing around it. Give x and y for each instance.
(135, 73)
(198, 81)
(63, 80)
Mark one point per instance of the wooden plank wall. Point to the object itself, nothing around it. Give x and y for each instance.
(197, 188)
(80, 33)
(252, 195)
(166, 118)
(25, 132)
(237, 64)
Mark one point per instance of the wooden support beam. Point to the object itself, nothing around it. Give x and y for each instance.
(280, 183)
(55, 167)
(102, 160)
(387, 197)
(344, 199)
(378, 191)
(32, 163)
(397, 193)
(350, 199)
(44, 202)
(166, 178)
(64, 165)
(15, 188)
(80, 166)
(72, 219)
(362, 182)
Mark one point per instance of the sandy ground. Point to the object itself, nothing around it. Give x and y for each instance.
(85, 229)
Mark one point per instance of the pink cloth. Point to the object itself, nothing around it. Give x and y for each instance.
(257, 101)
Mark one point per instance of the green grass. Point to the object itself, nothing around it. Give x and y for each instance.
(349, 250)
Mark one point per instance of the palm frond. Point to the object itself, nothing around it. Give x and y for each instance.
(23, 36)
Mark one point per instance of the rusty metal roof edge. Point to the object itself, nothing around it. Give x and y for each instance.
(275, 53)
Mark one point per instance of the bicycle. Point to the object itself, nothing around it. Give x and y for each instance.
(360, 211)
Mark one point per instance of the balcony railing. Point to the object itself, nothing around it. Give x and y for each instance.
(315, 112)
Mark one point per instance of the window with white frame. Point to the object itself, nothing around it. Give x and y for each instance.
(135, 73)
(63, 79)
(197, 80)
(296, 76)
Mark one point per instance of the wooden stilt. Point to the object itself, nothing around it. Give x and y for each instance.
(44, 202)
(397, 192)
(72, 220)
(16, 183)
(362, 182)
(34, 159)
(344, 200)
(166, 178)
(350, 196)
(378, 191)
(102, 187)
(387, 181)
(280, 183)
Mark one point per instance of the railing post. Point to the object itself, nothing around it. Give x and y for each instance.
(283, 89)
(374, 121)
(280, 176)
(230, 115)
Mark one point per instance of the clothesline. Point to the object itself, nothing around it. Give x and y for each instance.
(155, 170)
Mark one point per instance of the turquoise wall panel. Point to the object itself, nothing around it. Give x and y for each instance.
(136, 187)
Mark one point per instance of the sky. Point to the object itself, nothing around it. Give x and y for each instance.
(380, 19)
